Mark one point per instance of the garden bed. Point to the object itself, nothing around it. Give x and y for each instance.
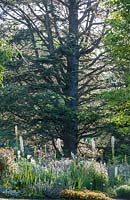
(43, 199)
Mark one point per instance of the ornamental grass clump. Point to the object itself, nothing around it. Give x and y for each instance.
(89, 175)
(84, 195)
(26, 180)
(123, 191)
(99, 175)
(26, 173)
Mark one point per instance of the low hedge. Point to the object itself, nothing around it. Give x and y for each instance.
(84, 194)
(123, 191)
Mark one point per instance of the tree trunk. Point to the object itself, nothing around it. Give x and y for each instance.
(71, 89)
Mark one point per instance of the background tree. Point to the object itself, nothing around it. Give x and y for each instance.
(53, 81)
(118, 47)
(117, 40)
(5, 54)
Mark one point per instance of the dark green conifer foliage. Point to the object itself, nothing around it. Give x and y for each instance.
(51, 82)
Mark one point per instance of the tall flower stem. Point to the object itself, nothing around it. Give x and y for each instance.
(113, 148)
(16, 136)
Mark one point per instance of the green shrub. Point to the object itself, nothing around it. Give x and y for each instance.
(123, 191)
(111, 191)
(84, 194)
